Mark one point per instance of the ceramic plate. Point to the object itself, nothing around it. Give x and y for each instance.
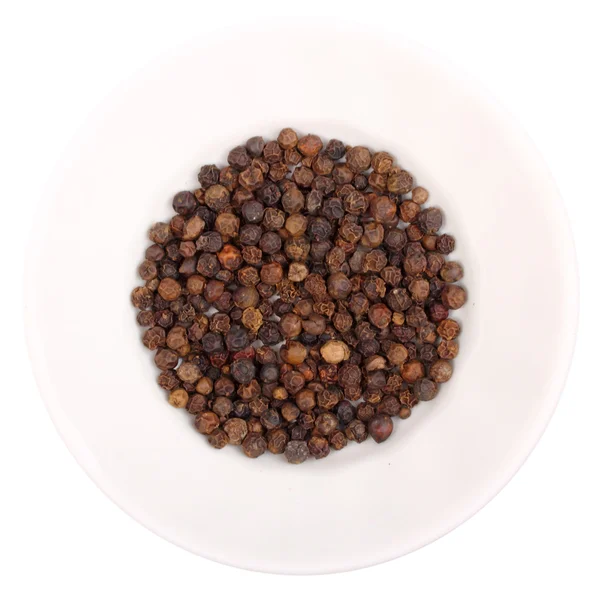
(368, 503)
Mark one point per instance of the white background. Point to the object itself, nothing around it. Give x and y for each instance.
(60, 58)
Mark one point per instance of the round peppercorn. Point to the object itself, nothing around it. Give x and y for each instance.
(440, 371)
(178, 398)
(425, 389)
(277, 441)
(207, 422)
(296, 451)
(451, 272)
(310, 145)
(453, 296)
(334, 351)
(318, 447)
(243, 371)
(326, 423)
(293, 352)
(271, 273)
(412, 371)
(254, 445)
(255, 145)
(380, 427)
(358, 159)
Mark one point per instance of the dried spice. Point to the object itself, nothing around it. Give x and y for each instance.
(324, 249)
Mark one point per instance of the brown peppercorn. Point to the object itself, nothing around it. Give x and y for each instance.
(272, 152)
(315, 324)
(318, 447)
(425, 389)
(177, 338)
(246, 297)
(445, 244)
(322, 164)
(217, 197)
(204, 386)
(160, 233)
(429, 242)
(169, 289)
(390, 405)
(380, 315)
(207, 422)
(290, 411)
(290, 325)
(197, 403)
(271, 273)
(430, 220)
(254, 426)
(254, 445)
(305, 400)
(334, 352)
(168, 380)
(218, 439)
(356, 431)
(178, 398)
(451, 272)
(339, 286)
(298, 272)
(412, 370)
(373, 234)
(448, 350)
(222, 406)
(440, 371)
(303, 176)
(255, 145)
(239, 158)
(328, 398)
(409, 211)
(228, 226)
(310, 145)
(326, 423)
(166, 359)
(270, 419)
(338, 440)
(382, 162)
(277, 441)
(154, 338)
(380, 427)
(252, 319)
(400, 182)
(420, 195)
(296, 224)
(189, 372)
(453, 296)
(296, 452)
(448, 329)
(148, 270)
(293, 352)
(287, 138)
(358, 159)
(383, 209)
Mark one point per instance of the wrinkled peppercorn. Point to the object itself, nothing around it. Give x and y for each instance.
(296, 451)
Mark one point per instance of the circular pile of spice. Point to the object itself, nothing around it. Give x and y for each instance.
(328, 251)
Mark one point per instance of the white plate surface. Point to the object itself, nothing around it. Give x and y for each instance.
(368, 503)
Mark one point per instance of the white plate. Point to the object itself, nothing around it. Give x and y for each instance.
(368, 503)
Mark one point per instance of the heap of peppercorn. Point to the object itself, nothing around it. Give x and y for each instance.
(327, 250)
